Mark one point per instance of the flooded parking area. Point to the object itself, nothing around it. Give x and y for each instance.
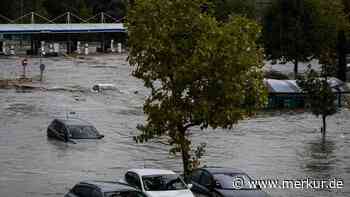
(270, 146)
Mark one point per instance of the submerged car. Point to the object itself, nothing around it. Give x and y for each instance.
(69, 130)
(157, 183)
(220, 182)
(103, 86)
(103, 189)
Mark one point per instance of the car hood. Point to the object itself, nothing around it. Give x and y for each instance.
(243, 193)
(173, 193)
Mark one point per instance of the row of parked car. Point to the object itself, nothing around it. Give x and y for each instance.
(203, 182)
(207, 181)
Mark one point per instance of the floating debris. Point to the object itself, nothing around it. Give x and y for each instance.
(103, 86)
(14, 83)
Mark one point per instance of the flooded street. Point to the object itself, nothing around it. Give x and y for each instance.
(271, 146)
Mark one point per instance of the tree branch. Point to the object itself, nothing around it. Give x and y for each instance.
(190, 125)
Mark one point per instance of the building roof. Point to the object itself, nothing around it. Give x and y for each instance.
(109, 186)
(282, 86)
(61, 28)
(149, 171)
(291, 86)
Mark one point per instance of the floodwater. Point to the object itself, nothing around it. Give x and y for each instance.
(271, 146)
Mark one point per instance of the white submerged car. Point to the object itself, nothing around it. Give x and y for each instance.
(157, 183)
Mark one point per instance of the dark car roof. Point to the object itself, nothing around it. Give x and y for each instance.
(222, 170)
(74, 121)
(109, 186)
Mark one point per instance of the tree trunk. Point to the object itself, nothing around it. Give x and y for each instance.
(296, 62)
(341, 71)
(324, 128)
(185, 153)
(185, 162)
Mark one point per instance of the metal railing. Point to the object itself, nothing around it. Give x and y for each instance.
(68, 17)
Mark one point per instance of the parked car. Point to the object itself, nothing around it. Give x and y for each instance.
(219, 182)
(157, 183)
(103, 189)
(69, 130)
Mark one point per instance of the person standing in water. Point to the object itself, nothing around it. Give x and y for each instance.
(42, 69)
(24, 66)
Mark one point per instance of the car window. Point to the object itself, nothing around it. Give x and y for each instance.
(206, 179)
(83, 132)
(196, 175)
(124, 194)
(133, 179)
(53, 124)
(163, 182)
(82, 191)
(59, 127)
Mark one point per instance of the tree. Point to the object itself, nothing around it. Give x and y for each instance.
(115, 8)
(288, 31)
(8, 10)
(201, 72)
(299, 30)
(342, 45)
(14, 9)
(331, 25)
(319, 95)
(78, 7)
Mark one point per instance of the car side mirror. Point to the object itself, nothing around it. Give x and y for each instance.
(101, 136)
(189, 186)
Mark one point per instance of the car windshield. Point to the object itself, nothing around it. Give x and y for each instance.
(123, 194)
(233, 181)
(163, 182)
(83, 132)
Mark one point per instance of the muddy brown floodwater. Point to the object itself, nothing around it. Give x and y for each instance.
(273, 146)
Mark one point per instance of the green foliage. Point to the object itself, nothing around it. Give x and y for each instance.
(201, 72)
(78, 7)
(331, 20)
(115, 8)
(299, 30)
(346, 4)
(288, 30)
(83, 10)
(223, 9)
(318, 93)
